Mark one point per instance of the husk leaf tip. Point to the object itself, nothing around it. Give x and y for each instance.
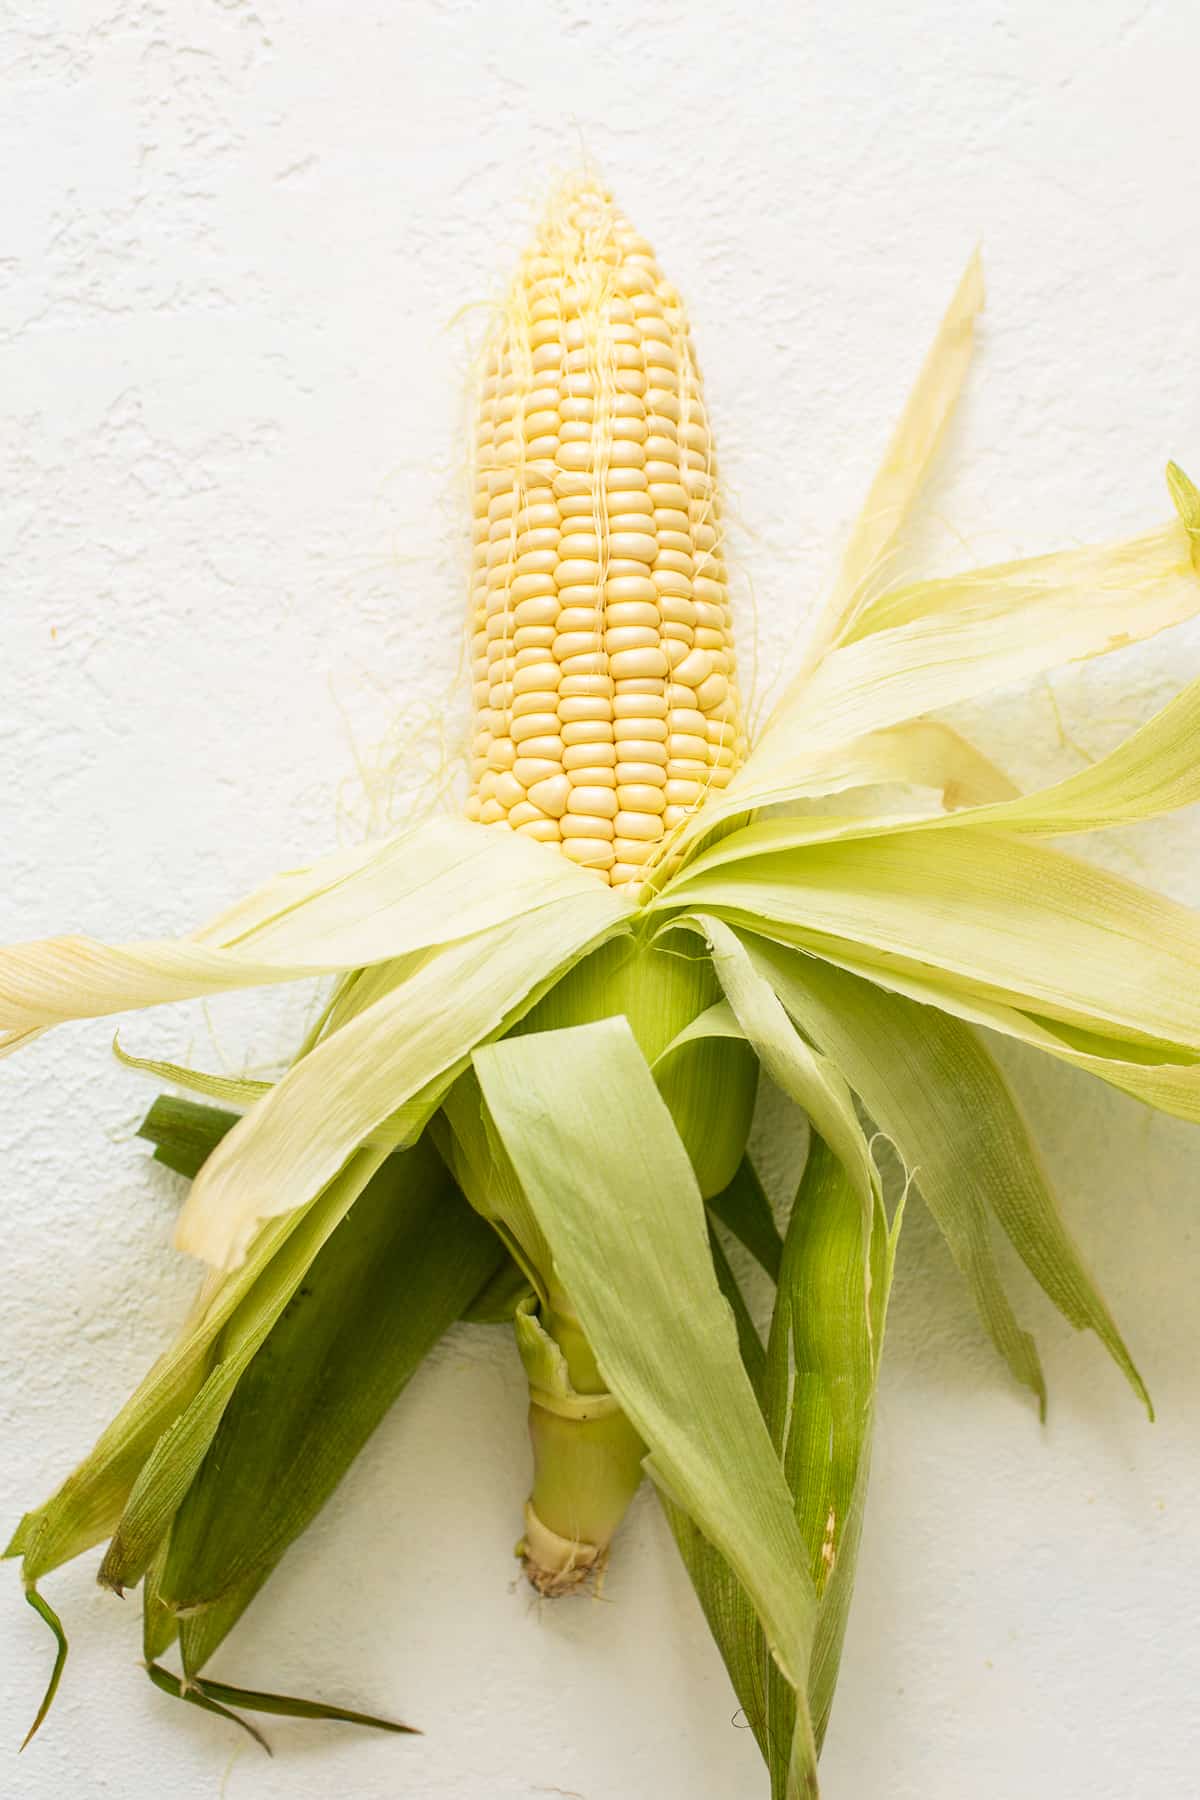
(1186, 496)
(46, 1612)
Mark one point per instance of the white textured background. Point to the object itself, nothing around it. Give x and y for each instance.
(235, 243)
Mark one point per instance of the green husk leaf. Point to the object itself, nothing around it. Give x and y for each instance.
(497, 1301)
(705, 1072)
(704, 1069)
(164, 1479)
(730, 1616)
(1156, 770)
(184, 1134)
(176, 1455)
(387, 1285)
(167, 1683)
(802, 1073)
(1163, 1076)
(823, 1359)
(47, 1614)
(290, 1706)
(932, 1088)
(484, 1171)
(927, 761)
(921, 754)
(709, 1086)
(240, 1309)
(160, 1628)
(1114, 583)
(743, 1208)
(823, 1362)
(716, 1021)
(849, 718)
(910, 1104)
(631, 1248)
(754, 1355)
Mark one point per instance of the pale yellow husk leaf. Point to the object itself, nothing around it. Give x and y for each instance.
(906, 464)
(929, 765)
(1006, 918)
(441, 881)
(936, 643)
(1155, 771)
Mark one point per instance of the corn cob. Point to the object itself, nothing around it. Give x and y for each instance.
(601, 643)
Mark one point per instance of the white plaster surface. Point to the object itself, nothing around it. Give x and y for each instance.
(235, 243)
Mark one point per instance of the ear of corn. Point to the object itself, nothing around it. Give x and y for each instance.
(607, 710)
(580, 1034)
(601, 638)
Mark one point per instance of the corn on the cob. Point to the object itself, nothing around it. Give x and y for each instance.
(601, 643)
(608, 709)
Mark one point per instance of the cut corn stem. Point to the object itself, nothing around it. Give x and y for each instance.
(587, 1458)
